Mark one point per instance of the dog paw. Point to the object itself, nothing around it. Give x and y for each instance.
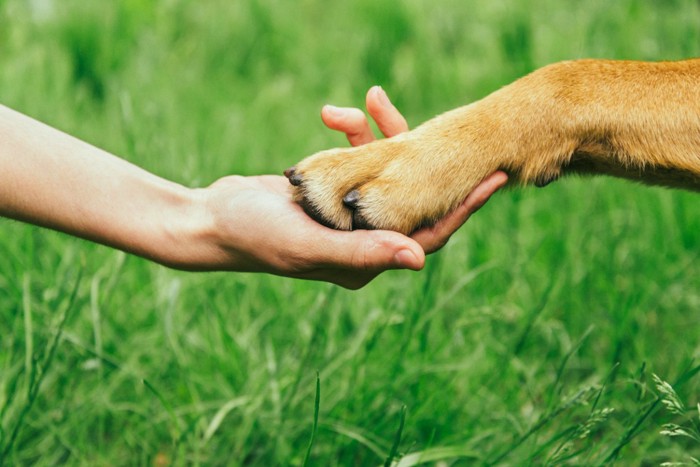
(414, 179)
(401, 184)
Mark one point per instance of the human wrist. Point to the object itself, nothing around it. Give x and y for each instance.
(183, 232)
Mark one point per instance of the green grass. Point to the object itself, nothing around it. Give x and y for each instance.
(531, 338)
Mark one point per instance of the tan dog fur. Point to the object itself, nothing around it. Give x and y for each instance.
(637, 120)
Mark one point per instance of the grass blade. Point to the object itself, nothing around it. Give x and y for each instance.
(359, 435)
(35, 382)
(219, 416)
(29, 363)
(317, 404)
(175, 433)
(438, 454)
(397, 439)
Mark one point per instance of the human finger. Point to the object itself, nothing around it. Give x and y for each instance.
(350, 121)
(388, 118)
(363, 251)
(435, 237)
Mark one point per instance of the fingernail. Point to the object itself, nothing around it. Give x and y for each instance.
(406, 259)
(382, 97)
(333, 110)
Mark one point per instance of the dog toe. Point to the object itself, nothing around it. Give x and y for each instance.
(351, 199)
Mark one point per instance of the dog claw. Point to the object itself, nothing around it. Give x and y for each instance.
(351, 199)
(294, 178)
(545, 180)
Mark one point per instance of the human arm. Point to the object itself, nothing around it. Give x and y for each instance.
(238, 223)
(54, 180)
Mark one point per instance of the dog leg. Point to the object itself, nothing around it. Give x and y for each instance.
(628, 119)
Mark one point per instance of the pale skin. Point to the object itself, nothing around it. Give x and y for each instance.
(247, 224)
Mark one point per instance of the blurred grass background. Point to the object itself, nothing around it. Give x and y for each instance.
(530, 339)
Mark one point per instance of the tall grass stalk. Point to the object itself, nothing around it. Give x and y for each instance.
(39, 369)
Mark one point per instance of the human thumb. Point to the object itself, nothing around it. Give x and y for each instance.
(378, 250)
(406, 258)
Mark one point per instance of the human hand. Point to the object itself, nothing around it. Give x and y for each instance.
(236, 224)
(257, 227)
(354, 124)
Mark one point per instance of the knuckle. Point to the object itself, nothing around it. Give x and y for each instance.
(359, 259)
